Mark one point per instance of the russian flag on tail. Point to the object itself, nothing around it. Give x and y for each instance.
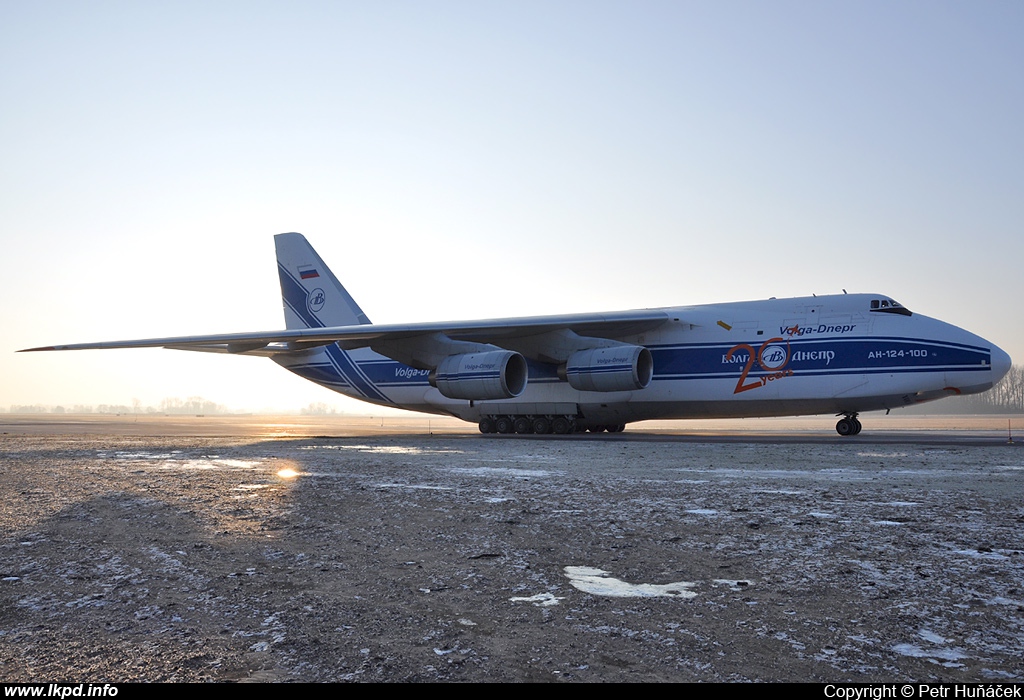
(307, 272)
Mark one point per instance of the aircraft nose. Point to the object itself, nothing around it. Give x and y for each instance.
(1000, 364)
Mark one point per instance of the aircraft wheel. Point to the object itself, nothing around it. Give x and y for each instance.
(523, 425)
(597, 428)
(541, 426)
(503, 425)
(561, 426)
(617, 428)
(846, 426)
(856, 426)
(486, 426)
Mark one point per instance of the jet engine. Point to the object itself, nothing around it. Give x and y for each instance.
(499, 374)
(620, 368)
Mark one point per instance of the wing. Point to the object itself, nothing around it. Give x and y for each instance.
(541, 333)
(320, 311)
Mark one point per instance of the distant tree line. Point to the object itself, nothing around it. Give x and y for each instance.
(318, 409)
(1005, 397)
(194, 405)
(78, 408)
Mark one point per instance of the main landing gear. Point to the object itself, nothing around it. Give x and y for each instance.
(848, 425)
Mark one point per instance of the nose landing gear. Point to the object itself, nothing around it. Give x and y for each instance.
(849, 425)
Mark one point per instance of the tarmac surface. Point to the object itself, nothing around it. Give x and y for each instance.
(358, 549)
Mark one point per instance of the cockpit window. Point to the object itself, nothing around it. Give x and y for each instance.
(888, 306)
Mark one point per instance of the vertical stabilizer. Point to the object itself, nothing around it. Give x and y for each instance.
(313, 296)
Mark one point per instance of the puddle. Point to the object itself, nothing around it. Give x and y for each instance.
(383, 449)
(178, 460)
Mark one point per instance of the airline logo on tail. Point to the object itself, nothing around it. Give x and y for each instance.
(315, 300)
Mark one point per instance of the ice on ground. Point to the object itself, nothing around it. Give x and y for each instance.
(541, 600)
(501, 471)
(599, 582)
(947, 654)
(144, 455)
(426, 487)
(520, 458)
(979, 554)
(929, 636)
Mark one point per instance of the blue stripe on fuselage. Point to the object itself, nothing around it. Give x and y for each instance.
(324, 374)
(295, 297)
(824, 356)
(819, 357)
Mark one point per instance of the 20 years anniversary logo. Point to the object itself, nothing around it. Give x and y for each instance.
(772, 357)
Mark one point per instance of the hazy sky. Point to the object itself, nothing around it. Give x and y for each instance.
(467, 160)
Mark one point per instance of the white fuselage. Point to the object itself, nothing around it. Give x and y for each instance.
(829, 354)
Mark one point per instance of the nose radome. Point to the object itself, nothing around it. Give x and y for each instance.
(1000, 364)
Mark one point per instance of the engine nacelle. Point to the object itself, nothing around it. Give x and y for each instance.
(620, 368)
(500, 374)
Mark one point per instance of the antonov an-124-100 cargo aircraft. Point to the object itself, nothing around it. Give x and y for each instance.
(840, 354)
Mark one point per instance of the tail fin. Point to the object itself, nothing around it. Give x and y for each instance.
(313, 296)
